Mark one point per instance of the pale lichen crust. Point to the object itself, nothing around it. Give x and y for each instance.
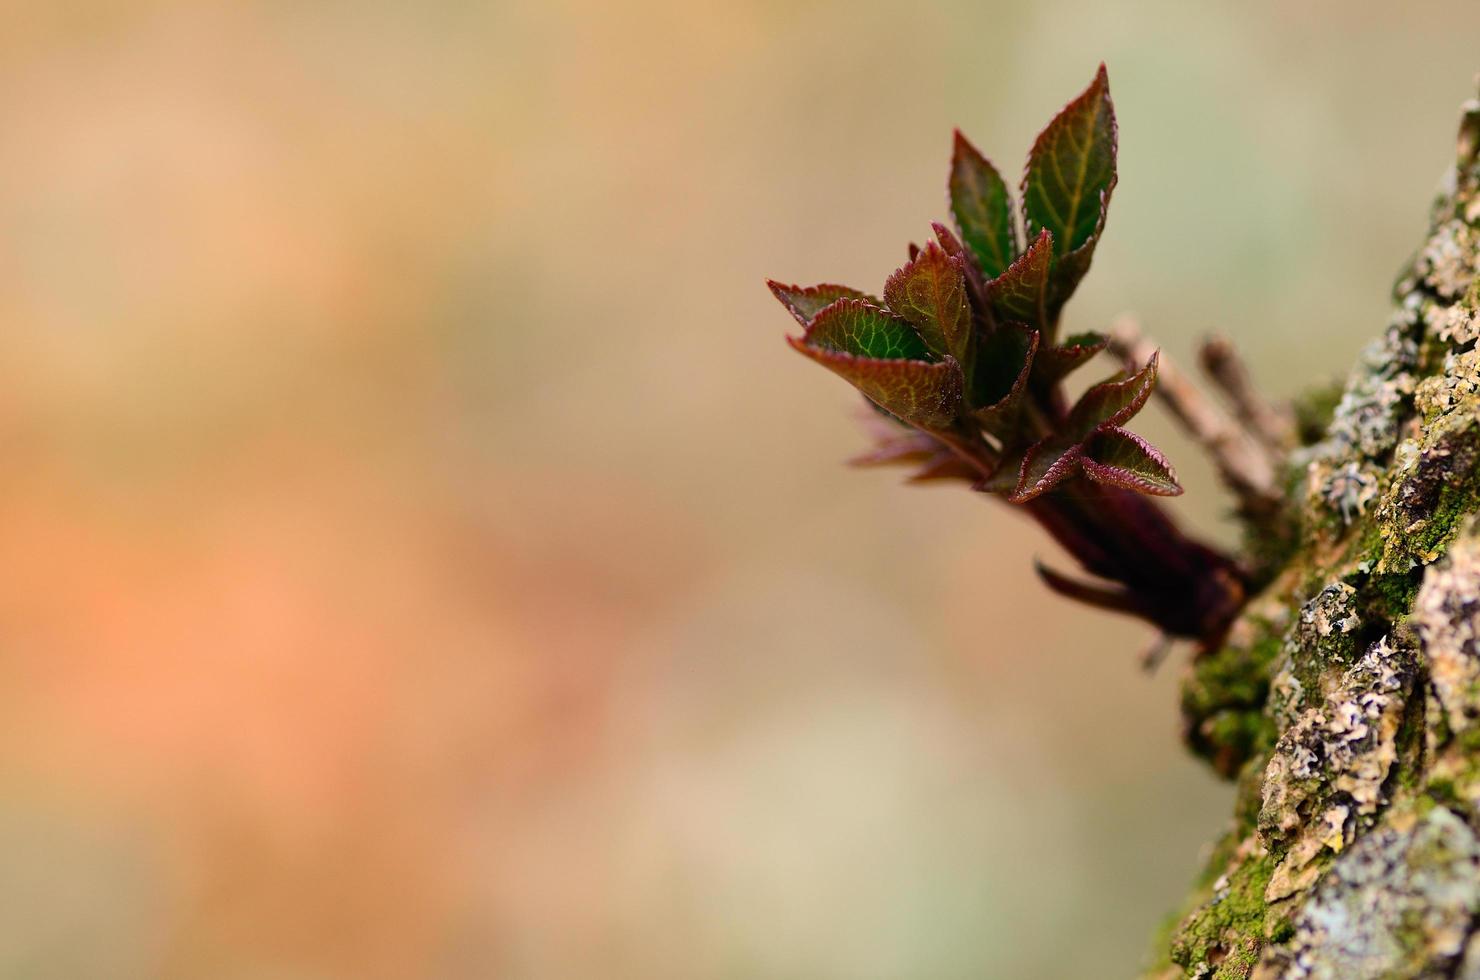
(1346, 699)
(1400, 903)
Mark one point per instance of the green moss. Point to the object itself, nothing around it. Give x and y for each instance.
(1223, 704)
(1437, 495)
(1389, 596)
(1228, 931)
(1410, 770)
(1469, 740)
(1232, 676)
(1457, 501)
(1238, 735)
(1443, 791)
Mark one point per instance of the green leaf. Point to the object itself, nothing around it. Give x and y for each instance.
(1071, 169)
(1072, 268)
(882, 356)
(1001, 361)
(982, 208)
(857, 327)
(1112, 402)
(1045, 466)
(930, 292)
(919, 392)
(1053, 364)
(1123, 459)
(806, 302)
(1022, 292)
(1002, 379)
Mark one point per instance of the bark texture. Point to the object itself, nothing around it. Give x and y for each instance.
(1346, 699)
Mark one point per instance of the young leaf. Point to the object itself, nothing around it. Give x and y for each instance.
(930, 292)
(982, 208)
(903, 445)
(1123, 459)
(1073, 267)
(1022, 292)
(857, 327)
(1071, 169)
(806, 302)
(1100, 596)
(1004, 479)
(1001, 381)
(1045, 466)
(944, 465)
(898, 444)
(974, 281)
(1112, 402)
(1056, 363)
(919, 392)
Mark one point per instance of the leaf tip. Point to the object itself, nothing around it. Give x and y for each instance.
(786, 296)
(961, 146)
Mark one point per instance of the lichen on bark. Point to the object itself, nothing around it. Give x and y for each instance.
(1345, 700)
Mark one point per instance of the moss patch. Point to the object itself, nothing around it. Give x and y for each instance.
(1227, 932)
(1223, 704)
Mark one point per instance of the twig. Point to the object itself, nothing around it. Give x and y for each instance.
(1273, 428)
(1243, 464)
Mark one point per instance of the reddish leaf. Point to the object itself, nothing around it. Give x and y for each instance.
(1045, 466)
(1004, 479)
(857, 327)
(901, 446)
(948, 240)
(982, 208)
(1112, 402)
(1123, 459)
(974, 281)
(1100, 596)
(806, 302)
(1053, 364)
(1022, 292)
(1071, 169)
(930, 292)
(945, 465)
(896, 443)
(919, 392)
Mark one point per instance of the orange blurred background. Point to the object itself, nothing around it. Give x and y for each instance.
(422, 558)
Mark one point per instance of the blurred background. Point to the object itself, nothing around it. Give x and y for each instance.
(423, 558)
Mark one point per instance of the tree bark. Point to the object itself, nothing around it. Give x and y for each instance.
(1346, 698)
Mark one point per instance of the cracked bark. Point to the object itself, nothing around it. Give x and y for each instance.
(1346, 699)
